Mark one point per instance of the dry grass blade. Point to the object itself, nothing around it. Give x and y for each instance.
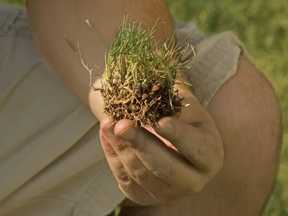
(139, 77)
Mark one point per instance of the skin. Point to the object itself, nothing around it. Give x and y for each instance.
(251, 139)
(243, 120)
(55, 22)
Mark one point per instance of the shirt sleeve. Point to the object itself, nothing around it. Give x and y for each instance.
(51, 161)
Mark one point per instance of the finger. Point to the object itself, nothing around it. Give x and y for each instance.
(192, 111)
(202, 146)
(162, 139)
(156, 187)
(162, 162)
(126, 184)
(201, 132)
(96, 101)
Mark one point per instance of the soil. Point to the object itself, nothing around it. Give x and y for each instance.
(139, 78)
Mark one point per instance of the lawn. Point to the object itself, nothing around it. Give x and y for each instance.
(263, 27)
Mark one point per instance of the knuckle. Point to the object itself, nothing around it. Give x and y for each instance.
(198, 187)
(131, 161)
(110, 152)
(163, 173)
(124, 180)
(121, 174)
(117, 166)
(104, 125)
(121, 145)
(139, 174)
(136, 170)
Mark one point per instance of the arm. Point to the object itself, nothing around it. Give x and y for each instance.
(246, 112)
(225, 115)
(54, 22)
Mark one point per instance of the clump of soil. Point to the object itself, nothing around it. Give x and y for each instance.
(139, 78)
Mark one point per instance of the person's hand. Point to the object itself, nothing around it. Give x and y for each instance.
(151, 170)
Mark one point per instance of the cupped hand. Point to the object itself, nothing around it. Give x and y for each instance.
(157, 165)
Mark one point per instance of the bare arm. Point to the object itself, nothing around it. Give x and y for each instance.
(246, 112)
(56, 21)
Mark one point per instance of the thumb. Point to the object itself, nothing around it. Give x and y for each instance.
(96, 101)
(192, 111)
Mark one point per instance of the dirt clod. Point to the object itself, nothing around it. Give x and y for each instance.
(139, 77)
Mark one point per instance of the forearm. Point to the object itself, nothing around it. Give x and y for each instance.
(187, 209)
(55, 22)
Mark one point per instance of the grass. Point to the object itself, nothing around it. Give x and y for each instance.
(263, 26)
(139, 76)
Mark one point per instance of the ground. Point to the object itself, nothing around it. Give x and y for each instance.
(263, 27)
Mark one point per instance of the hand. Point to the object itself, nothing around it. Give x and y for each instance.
(176, 159)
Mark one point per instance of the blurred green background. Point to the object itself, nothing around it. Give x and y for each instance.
(263, 27)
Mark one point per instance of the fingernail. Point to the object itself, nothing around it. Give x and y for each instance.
(124, 178)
